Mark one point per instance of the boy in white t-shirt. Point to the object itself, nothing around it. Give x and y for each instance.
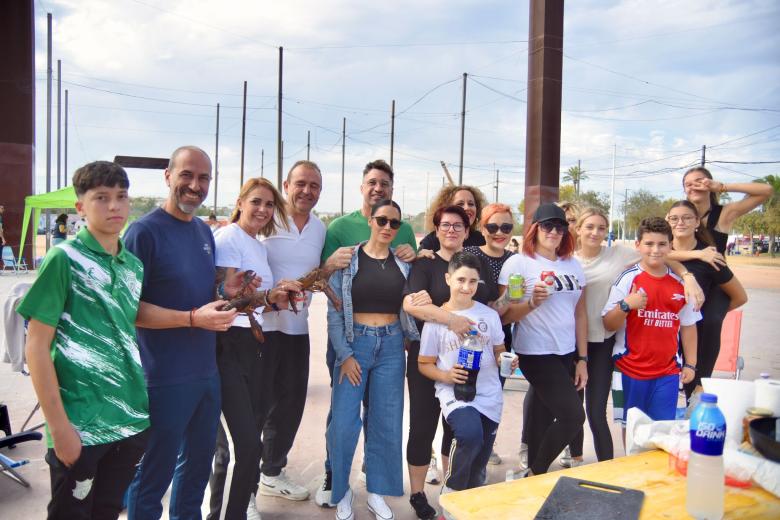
(474, 422)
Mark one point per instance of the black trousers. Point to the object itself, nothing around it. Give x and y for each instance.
(600, 366)
(555, 409)
(708, 330)
(93, 487)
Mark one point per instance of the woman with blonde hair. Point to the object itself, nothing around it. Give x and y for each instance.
(471, 200)
(259, 209)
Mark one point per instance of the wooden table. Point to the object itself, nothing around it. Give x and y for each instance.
(649, 472)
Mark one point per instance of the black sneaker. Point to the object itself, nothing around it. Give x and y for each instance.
(421, 506)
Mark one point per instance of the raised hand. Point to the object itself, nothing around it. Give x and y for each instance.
(637, 299)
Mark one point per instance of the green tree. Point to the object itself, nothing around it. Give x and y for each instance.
(642, 204)
(751, 224)
(595, 199)
(575, 175)
(772, 211)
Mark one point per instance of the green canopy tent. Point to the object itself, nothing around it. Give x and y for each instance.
(60, 199)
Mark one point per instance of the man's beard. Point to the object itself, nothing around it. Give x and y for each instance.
(189, 209)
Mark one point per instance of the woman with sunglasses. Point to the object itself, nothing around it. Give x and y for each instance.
(690, 236)
(467, 197)
(368, 338)
(550, 334)
(426, 291)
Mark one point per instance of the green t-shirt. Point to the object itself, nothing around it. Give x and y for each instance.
(351, 229)
(92, 299)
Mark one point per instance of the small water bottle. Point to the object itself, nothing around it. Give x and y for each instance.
(704, 499)
(469, 357)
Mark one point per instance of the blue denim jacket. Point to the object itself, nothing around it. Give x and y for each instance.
(341, 323)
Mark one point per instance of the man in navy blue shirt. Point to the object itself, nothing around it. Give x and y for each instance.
(176, 323)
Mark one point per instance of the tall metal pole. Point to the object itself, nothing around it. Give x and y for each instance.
(216, 162)
(243, 136)
(59, 123)
(462, 129)
(625, 216)
(308, 144)
(579, 176)
(262, 162)
(48, 124)
(65, 144)
(392, 131)
(279, 158)
(496, 201)
(343, 152)
(612, 195)
(703, 155)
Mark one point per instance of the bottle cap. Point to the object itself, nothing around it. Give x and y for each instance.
(709, 398)
(472, 332)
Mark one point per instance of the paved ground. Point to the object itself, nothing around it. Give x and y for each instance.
(759, 348)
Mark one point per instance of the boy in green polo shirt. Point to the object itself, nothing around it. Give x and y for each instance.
(83, 356)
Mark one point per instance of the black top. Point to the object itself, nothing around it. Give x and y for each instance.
(428, 275)
(378, 285)
(495, 263)
(721, 239)
(706, 275)
(56, 233)
(430, 241)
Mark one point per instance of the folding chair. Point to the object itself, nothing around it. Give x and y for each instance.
(10, 263)
(729, 360)
(10, 440)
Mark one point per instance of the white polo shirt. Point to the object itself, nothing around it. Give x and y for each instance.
(292, 254)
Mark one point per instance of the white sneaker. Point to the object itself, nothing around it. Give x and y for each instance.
(523, 455)
(322, 497)
(282, 486)
(344, 507)
(433, 476)
(378, 506)
(251, 510)
(567, 461)
(495, 458)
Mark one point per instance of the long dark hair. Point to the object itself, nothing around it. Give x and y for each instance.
(713, 197)
(701, 234)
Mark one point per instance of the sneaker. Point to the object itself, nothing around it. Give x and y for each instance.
(421, 506)
(344, 507)
(322, 497)
(494, 459)
(517, 473)
(445, 490)
(362, 476)
(378, 506)
(433, 476)
(566, 459)
(251, 510)
(282, 486)
(523, 455)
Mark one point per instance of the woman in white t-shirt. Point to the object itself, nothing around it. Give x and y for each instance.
(238, 352)
(551, 333)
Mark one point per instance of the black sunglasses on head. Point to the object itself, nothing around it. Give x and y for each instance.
(549, 225)
(494, 228)
(382, 222)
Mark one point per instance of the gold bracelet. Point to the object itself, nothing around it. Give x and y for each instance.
(722, 188)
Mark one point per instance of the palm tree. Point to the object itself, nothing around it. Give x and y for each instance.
(575, 175)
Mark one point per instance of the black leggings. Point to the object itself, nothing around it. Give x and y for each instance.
(600, 368)
(555, 409)
(708, 331)
(424, 412)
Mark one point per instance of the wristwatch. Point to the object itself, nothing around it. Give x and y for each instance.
(577, 357)
(624, 306)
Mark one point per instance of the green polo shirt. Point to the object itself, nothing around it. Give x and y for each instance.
(91, 298)
(351, 229)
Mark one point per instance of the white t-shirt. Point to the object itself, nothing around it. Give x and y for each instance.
(292, 254)
(236, 249)
(438, 341)
(550, 328)
(600, 273)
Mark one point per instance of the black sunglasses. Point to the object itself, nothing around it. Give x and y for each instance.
(505, 228)
(382, 222)
(548, 225)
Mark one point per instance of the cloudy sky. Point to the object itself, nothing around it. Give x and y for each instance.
(658, 79)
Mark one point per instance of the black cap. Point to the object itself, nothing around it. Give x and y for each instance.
(549, 211)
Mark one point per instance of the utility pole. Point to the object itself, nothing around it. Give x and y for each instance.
(308, 144)
(65, 144)
(427, 180)
(392, 131)
(243, 137)
(703, 155)
(48, 126)
(59, 122)
(279, 158)
(625, 216)
(462, 129)
(577, 180)
(612, 195)
(216, 162)
(262, 162)
(496, 198)
(343, 151)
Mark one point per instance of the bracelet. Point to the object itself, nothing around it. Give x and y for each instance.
(686, 273)
(722, 188)
(192, 312)
(221, 290)
(265, 298)
(688, 365)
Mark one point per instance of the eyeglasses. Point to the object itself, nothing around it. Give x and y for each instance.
(494, 228)
(383, 221)
(457, 226)
(686, 219)
(548, 226)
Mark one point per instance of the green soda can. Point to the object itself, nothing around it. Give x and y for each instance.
(516, 287)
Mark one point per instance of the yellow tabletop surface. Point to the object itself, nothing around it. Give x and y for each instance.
(649, 472)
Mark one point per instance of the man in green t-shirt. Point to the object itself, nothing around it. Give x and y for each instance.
(82, 353)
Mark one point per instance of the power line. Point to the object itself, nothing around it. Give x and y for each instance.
(405, 44)
(744, 162)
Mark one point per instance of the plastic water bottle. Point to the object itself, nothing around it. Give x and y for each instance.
(705, 466)
(469, 356)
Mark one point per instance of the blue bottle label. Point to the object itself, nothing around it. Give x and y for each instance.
(708, 431)
(469, 359)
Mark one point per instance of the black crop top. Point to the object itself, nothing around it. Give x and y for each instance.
(721, 239)
(378, 285)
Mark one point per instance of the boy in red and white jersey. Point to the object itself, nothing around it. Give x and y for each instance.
(647, 308)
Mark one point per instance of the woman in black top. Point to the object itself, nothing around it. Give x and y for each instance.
(60, 231)
(471, 200)
(690, 236)
(426, 283)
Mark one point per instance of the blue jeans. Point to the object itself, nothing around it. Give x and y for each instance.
(380, 353)
(181, 444)
(469, 454)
